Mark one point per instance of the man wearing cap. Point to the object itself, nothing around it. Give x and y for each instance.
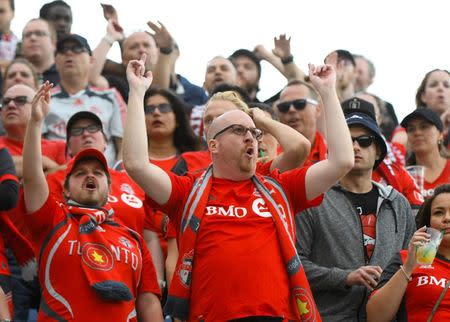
(346, 242)
(85, 131)
(248, 69)
(388, 172)
(104, 262)
(38, 46)
(73, 61)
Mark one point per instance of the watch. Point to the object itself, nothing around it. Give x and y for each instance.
(287, 60)
(166, 50)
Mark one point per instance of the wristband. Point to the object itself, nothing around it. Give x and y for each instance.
(408, 277)
(110, 40)
(289, 59)
(166, 50)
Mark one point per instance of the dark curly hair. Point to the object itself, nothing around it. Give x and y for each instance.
(424, 214)
(184, 137)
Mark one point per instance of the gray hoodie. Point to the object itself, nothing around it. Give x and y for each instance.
(330, 245)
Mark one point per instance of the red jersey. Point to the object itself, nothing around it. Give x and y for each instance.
(318, 150)
(444, 177)
(125, 197)
(55, 150)
(423, 291)
(66, 293)
(388, 173)
(238, 262)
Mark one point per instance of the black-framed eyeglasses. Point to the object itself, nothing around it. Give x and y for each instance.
(18, 101)
(241, 131)
(75, 48)
(162, 108)
(76, 131)
(364, 141)
(298, 104)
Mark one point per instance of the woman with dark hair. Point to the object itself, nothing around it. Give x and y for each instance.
(424, 129)
(408, 291)
(169, 134)
(167, 125)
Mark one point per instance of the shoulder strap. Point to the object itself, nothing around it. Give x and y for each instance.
(436, 305)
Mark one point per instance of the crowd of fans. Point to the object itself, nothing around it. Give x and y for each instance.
(129, 193)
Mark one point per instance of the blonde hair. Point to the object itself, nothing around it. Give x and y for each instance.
(230, 96)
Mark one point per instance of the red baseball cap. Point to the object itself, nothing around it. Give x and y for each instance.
(87, 153)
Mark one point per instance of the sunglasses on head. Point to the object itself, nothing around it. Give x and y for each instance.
(18, 101)
(162, 108)
(76, 131)
(364, 141)
(75, 48)
(241, 131)
(299, 104)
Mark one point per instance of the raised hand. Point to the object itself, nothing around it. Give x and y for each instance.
(323, 77)
(109, 12)
(138, 79)
(40, 104)
(261, 52)
(114, 30)
(419, 238)
(282, 46)
(162, 36)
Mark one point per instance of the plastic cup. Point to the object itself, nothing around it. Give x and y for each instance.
(418, 174)
(425, 253)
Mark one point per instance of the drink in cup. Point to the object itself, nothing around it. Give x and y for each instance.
(418, 174)
(425, 253)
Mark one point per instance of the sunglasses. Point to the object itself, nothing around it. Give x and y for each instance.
(364, 141)
(18, 101)
(241, 131)
(162, 108)
(76, 131)
(299, 104)
(76, 49)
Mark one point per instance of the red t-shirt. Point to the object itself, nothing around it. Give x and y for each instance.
(125, 197)
(61, 275)
(239, 270)
(55, 150)
(428, 187)
(318, 151)
(423, 291)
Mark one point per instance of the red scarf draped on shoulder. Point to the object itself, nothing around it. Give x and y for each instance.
(179, 294)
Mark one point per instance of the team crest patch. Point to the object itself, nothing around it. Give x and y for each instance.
(97, 257)
(131, 200)
(125, 242)
(125, 187)
(185, 270)
(305, 304)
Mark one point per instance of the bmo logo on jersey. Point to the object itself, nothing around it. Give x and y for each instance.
(259, 208)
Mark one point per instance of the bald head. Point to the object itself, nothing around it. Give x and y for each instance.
(229, 118)
(22, 90)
